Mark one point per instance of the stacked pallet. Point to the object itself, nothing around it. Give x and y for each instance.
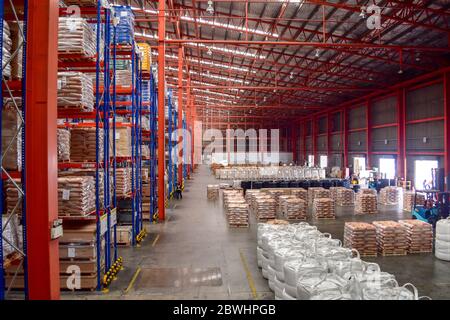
(391, 238)
(237, 215)
(323, 208)
(63, 145)
(419, 235)
(17, 46)
(368, 191)
(12, 134)
(362, 237)
(12, 195)
(231, 195)
(334, 192)
(281, 202)
(123, 142)
(212, 192)
(311, 194)
(124, 78)
(293, 208)
(146, 60)
(389, 196)
(276, 193)
(300, 193)
(123, 182)
(6, 51)
(76, 36)
(83, 144)
(366, 203)
(11, 234)
(75, 91)
(265, 208)
(124, 235)
(76, 196)
(408, 200)
(345, 197)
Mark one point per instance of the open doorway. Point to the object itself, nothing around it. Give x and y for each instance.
(387, 168)
(359, 165)
(422, 173)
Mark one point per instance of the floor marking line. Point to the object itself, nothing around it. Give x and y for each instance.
(156, 240)
(251, 282)
(133, 280)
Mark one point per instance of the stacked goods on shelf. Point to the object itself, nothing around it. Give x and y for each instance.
(124, 78)
(123, 182)
(146, 200)
(145, 174)
(17, 46)
(293, 208)
(146, 55)
(408, 200)
(125, 28)
(76, 36)
(419, 236)
(123, 142)
(78, 249)
(391, 238)
(324, 208)
(389, 196)
(300, 193)
(6, 51)
(317, 193)
(11, 134)
(362, 237)
(12, 196)
(75, 196)
(75, 91)
(345, 197)
(212, 192)
(145, 152)
(366, 203)
(124, 235)
(265, 208)
(12, 235)
(63, 145)
(83, 144)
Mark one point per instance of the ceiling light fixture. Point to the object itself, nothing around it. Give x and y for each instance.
(209, 51)
(210, 8)
(317, 53)
(291, 76)
(363, 12)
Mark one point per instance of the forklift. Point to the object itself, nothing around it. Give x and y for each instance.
(437, 201)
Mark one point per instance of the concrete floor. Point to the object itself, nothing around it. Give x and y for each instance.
(194, 255)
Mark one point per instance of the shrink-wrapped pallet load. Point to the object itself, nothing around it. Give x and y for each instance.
(419, 235)
(12, 134)
(11, 236)
(123, 182)
(324, 208)
(123, 142)
(6, 51)
(83, 144)
(391, 238)
(125, 28)
(408, 200)
(300, 193)
(366, 203)
(146, 56)
(237, 215)
(75, 91)
(76, 196)
(293, 208)
(345, 197)
(265, 208)
(63, 145)
(334, 192)
(76, 36)
(124, 78)
(17, 49)
(362, 237)
(212, 192)
(13, 197)
(145, 152)
(389, 195)
(321, 192)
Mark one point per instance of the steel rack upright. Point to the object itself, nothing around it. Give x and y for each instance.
(153, 147)
(13, 92)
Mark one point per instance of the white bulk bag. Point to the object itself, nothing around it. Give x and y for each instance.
(293, 270)
(443, 227)
(259, 253)
(393, 293)
(283, 255)
(314, 285)
(287, 296)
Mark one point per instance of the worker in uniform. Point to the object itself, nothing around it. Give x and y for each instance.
(179, 192)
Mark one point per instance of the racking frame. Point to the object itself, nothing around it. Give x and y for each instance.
(153, 148)
(12, 89)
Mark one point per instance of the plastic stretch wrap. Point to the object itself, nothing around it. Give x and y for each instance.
(76, 36)
(11, 134)
(63, 145)
(75, 91)
(7, 49)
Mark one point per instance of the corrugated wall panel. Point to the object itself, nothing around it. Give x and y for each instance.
(322, 143)
(335, 160)
(383, 135)
(309, 148)
(357, 118)
(384, 111)
(433, 131)
(336, 143)
(357, 141)
(323, 124)
(425, 102)
(336, 122)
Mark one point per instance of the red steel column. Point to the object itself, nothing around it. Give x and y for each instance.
(314, 128)
(294, 133)
(305, 155)
(345, 136)
(401, 136)
(328, 137)
(180, 112)
(447, 126)
(161, 110)
(369, 135)
(41, 149)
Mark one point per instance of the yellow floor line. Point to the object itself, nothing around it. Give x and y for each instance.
(156, 240)
(133, 280)
(251, 283)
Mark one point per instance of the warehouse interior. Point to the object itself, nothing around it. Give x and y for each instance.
(225, 150)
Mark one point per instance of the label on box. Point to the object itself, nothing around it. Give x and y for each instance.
(113, 217)
(124, 14)
(117, 135)
(66, 194)
(103, 224)
(71, 252)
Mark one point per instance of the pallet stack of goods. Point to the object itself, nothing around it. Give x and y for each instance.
(76, 37)
(300, 193)
(124, 235)
(146, 55)
(318, 192)
(408, 200)
(75, 91)
(323, 208)
(63, 137)
(212, 192)
(231, 196)
(123, 182)
(12, 196)
(362, 237)
(76, 196)
(390, 196)
(236, 208)
(11, 126)
(366, 202)
(250, 197)
(391, 238)
(83, 142)
(123, 142)
(265, 208)
(293, 208)
(419, 236)
(334, 192)
(345, 197)
(6, 51)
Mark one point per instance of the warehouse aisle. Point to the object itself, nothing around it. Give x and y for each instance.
(194, 255)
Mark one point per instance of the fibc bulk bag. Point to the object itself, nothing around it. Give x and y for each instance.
(293, 270)
(317, 284)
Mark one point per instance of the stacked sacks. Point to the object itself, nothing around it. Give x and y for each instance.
(442, 244)
(301, 263)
